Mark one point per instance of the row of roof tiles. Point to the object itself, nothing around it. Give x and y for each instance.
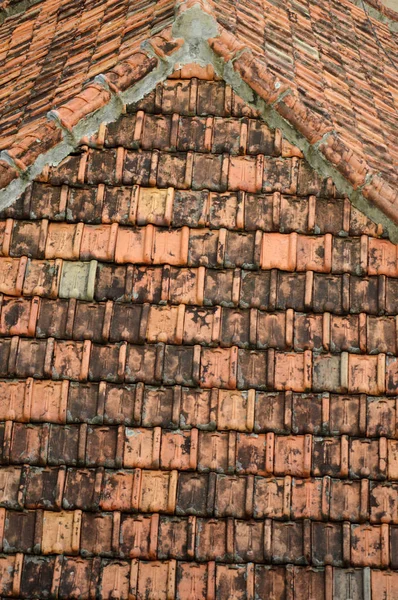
(116, 322)
(198, 494)
(231, 210)
(223, 452)
(69, 576)
(218, 248)
(182, 408)
(198, 366)
(287, 102)
(189, 170)
(266, 290)
(187, 538)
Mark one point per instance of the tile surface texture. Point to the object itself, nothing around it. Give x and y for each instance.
(198, 360)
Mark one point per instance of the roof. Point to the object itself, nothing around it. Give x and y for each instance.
(198, 368)
(326, 69)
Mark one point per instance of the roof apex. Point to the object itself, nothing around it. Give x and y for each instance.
(196, 36)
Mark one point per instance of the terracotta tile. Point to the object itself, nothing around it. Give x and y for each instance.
(42, 278)
(294, 215)
(14, 403)
(382, 258)
(142, 448)
(138, 535)
(115, 579)
(117, 491)
(176, 535)
(253, 454)
(252, 367)
(61, 532)
(68, 358)
(110, 282)
(96, 534)
(329, 456)
(307, 499)
(364, 458)
(211, 98)
(156, 132)
(179, 450)
(83, 403)
(364, 375)
(26, 238)
(30, 358)
(63, 241)
(82, 205)
(218, 367)
(20, 531)
(230, 496)
(104, 446)
(191, 579)
(190, 208)
(383, 502)
(172, 171)
(37, 575)
(293, 371)
(209, 172)
(155, 206)
(191, 134)
(270, 580)
(157, 407)
(327, 544)
(197, 408)
(88, 321)
(141, 364)
(344, 333)
(69, 586)
(366, 545)
(269, 412)
(213, 452)
(242, 250)
(181, 365)
(98, 242)
(10, 480)
(271, 330)
(279, 251)
(7, 573)
(49, 401)
(346, 256)
(12, 275)
(226, 136)
(219, 287)
(268, 498)
(158, 491)
(156, 578)
(63, 445)
(80, 490)
(246, 173)
(344, 414)
(287, 542)
(293, 455)
(232, 580)
(147, 284)
(314, 253)
(327, 294)
(52, 319)
(136, 168)
(210, 540)
(307, 413)
(165, 324)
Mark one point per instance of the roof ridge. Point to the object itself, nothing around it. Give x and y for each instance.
(196, 36)
(10, 8)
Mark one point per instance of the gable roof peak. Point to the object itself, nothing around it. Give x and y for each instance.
(308, 103)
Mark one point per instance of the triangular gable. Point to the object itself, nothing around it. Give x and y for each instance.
(196, 36)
